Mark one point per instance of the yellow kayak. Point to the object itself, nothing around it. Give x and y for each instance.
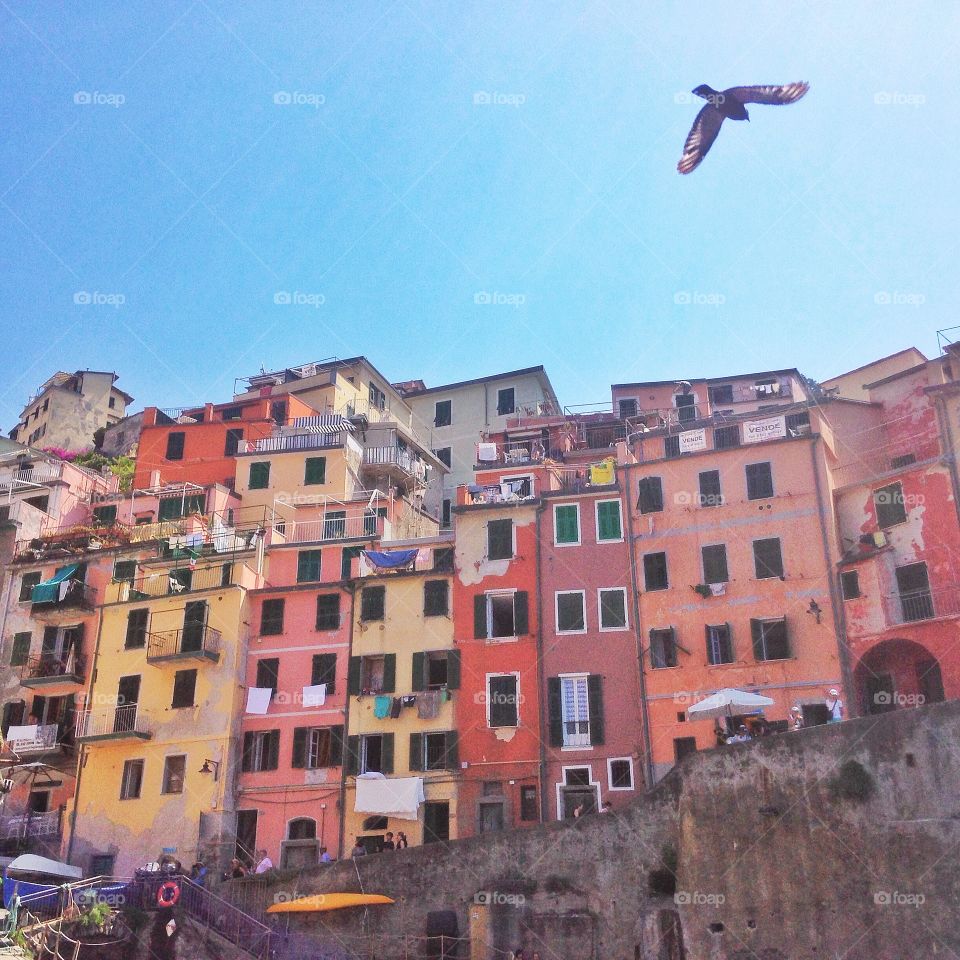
(319, 902)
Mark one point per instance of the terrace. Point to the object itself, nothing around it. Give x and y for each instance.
(195, 641)
(64, 592)
(54, 675)
(111, 723)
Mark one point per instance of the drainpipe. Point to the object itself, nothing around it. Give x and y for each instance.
(638, 633)
(346, 729)
(836, 601)
(540, 670)
(951, 455)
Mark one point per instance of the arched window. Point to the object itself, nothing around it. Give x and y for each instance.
(303, 828)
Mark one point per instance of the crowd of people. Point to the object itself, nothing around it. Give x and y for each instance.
(759, 726)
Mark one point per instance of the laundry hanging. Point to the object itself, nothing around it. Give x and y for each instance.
(315, 695)
(381, 707)
(392, 560)
(258, 699)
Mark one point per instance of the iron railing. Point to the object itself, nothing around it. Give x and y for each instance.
(295, 441)
(913, 605)
(333, 527)
(396, 457)
(511, 491)
(24, 479)
(72, 595)
(196, 640)
(29, 824)
(48, 666)
(43, 741)
(110, 721)
(171, 582)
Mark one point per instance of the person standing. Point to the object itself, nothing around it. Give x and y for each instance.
(796, 718)
(835, 706)
(388, 843)
(264, 863)
(359, 850)
(402, 842)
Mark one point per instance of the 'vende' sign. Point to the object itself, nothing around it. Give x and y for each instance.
(770, 429)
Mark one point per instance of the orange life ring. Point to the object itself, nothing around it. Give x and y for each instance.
(168, 894)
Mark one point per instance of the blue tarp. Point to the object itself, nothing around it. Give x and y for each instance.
(396, 558)
(49, 590)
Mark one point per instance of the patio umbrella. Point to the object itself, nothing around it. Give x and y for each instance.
(727, 703)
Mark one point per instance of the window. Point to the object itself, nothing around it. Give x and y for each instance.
(721, 393)
(566, 524)
(233, 413)
(112, 403)
(124, 571)
(41, 503)
(683, 746)
(759, 481)
(435, 669)
(231, 443)
(268, 672)
(372, 674)
(372, 603)
(767, 558)
(261, 751)
(436, 598)
(315, 470)
(500, 540)
(663, 648)
(529, 808)
(889, 504)
(505, 402)
(770, 639)
(443, 560)
(308, 566)
(850, 584)
(608, 520)
(105, 516)
(671, 447)
(184, 688)
(575, 711)
(328, 611)
(613, 608)
(686, 404)
(136, 636)
(434, 751)
(724, 438)
(445, 513)
(259, 475)
(131, 783)
(651, 495)
(620, 773)
(442, 413)
(913, 585)
(376, 753)
(715, 563)
(570, 613)
(503, 707)
(174, 770)
(271, 617)
(719, 644)
(444, 455)
(317, 747)
(323, 669)
(303, 828)
(347, 556)
(655, 571)
(175, 442)
(27, 582)
(500, 615)
(21, 649)
(378, 399)
(710, 495)
(627, 408)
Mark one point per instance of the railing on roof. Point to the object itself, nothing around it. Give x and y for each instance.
(333, 525)
(295, 441)
(30, 824)
(508, 491)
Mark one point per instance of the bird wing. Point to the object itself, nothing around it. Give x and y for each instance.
(787, 93)
(700, 138)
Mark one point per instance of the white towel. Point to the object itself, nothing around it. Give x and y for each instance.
(315, 696)
(258, 699)
(486, 452)
(718, 589)
(398, 797)
(22, 733)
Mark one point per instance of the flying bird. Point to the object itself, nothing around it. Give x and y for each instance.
(728, 105)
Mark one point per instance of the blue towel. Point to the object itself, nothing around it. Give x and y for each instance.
(396, 558)
(381, 707)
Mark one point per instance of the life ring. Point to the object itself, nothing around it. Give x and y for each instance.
(168, 893)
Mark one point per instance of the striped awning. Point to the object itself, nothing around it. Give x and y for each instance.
(324, 423)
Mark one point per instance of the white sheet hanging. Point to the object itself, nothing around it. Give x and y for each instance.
(315, 695)
(258, 699)
(398, 797)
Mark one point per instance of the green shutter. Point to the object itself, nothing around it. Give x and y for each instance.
(567, 527)
(315, 470)
(756, 634)
(453, 670)
(259, 476)
(353, 676)
(308, 566)
(418, 678)
(324, 670)
(608, 520)
(336, 745)
(521, 619)
(21, 649)
(416, 751)
(389, 673)
(386, 762)
(247, 762)
(555, 712)
(352, 759)
(595, 704)
(299, 760)
(453, 751)
(105, 516)
(500, 540)
(480, 616)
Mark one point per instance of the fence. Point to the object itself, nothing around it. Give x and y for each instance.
(30, 824)
(170, 582)
(51, 667)
(332, 526)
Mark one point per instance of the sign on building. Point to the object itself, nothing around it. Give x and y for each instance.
(754, 431)
(693, 440)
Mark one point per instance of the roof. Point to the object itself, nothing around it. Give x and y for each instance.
(708, 380)
(35, 864)
(874, 363)
(895, 376)
(469, 383)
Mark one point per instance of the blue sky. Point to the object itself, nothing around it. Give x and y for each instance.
(456, 189)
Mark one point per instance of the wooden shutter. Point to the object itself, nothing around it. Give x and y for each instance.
(353, 676)
(247, 762)
(452, 756)
(271, 750)
(453, 670)
(386, 753)
(299, 760)
(416, 751)
(555, 711)
(521, 618)
(12, 715)
(389, 673)
(352, 758)
(336, 745)
(324, 670)
(480, 616)
(418, 679)
(608, 520)
(595, 703)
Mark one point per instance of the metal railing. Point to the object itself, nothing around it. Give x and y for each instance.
(171, 582)
(48, 666)
(160, 530)
(193, 640)
(76, 594)
(295, 441)
(43, 741)
(104, 722)
(356, 527)
(29, 824)
(226, 920)
(913, 605)
(23, 479)
(512, 491)
(395, 456)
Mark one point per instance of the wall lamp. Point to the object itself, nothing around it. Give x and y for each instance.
(814, 608)
(206, 768)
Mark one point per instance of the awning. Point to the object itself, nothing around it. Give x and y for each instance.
(320, 902)
(727, 703)
(31, 863)
(324, 423)
(391, 560)
(398, 797)
(49, 590)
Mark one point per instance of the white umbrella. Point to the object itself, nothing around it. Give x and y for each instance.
(727, 703)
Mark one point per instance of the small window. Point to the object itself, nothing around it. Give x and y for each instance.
(655, 571)
(124, 571)
(721, 393)
(105, 516)
(651, 495)
(443, 411)
(271, 617)
(436, 598)
(609, 527)
(372, 753)
(500, 540)
(131, 783)
(372, 671)
(719, 644)
(850, 584)
(174, 771)
(570, 613)
(308, 566)
(259, 475)
(443, 560)
(27, 582)
(323, 669)
(671, 447)
(502, 700)
(372, 603)
(715, 563)
(759, 481)
(710, 495)
(663, 648)
(627, 408)
(315, 470)
(444, 455)
(889, 504)
(21, 649)
(268, 673)
(231, 443)
(613, 609)
(328, 611)
(445, 513)
(175, 443)
(505, 402)
(261, 750)
(184, 688)
(435, 751)
(566, 524)
(620, 771)
(529, 808)
(313, 750)
(500, 615)
(136, 636)
(767, 558)
(770, 639)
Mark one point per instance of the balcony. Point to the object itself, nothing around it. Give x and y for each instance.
(52, 601)
(193, 642)
(39, 475)
(54, 676)
(27, 741)
(170, 582)
(23, 826)
(287, 442)
(111, 723)
(394, 461)
(332, 526)
(509, 491)
(912, 606)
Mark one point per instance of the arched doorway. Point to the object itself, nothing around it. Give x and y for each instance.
(897, 673)
(301, 848)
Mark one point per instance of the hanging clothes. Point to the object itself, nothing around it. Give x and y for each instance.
(602, 474)
(381, 707)
(428, 704)
(395, 708)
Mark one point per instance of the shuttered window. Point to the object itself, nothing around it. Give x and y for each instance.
(372, 603)
(770, 640)
(651, 495)
(566, 524)
(609, 526)
(767, 558)
(324, 670)
(315, 470)
(715, 563)
(271, 617)
(328, 611)
(759, 481)
(502, 702)
(308, 566)
(500, 540)
(436, 598)
(259, 476)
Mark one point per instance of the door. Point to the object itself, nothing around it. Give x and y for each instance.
(491, 816)
(194, 621)
(686, 407)
(436, 822)
(128, 696)
(246, 836)
(916, 603)
(879, 692)
(335, 525)
(929, 681)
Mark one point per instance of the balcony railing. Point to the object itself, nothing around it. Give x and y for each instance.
(295, 441)
(364, 526)
(144, 532)
(193, 642)
(24, 479)
(509, 491)
(170, 582)
(111, 723)
(914, 605)
(23, 825)
(73, 595)
(43, 741)
(50, 669)
(394, 456)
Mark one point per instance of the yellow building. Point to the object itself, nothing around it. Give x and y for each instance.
(403, 681)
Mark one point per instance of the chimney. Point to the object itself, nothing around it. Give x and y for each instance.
(208, 413)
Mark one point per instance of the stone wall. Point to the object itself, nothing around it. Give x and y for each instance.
(840, 841)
